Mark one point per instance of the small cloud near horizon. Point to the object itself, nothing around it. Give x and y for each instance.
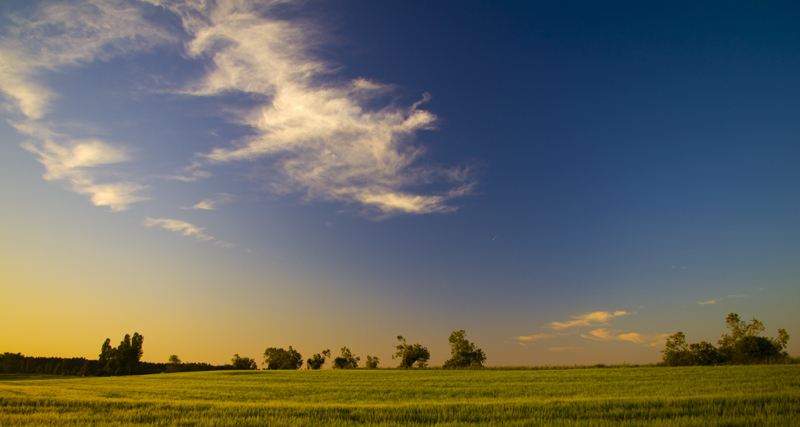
(183, 227)
(591, 319)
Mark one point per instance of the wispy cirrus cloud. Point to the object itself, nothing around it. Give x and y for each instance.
(213, 203)
(79, 163)
(50, 39)
(603, 334)
(325, 138)
(533, 337)
(715, 301)
(315, 132)
(58, 35)
(178, 226)
(589, 319)
(565, 349)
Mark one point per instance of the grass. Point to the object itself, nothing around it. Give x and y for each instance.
(695, 396)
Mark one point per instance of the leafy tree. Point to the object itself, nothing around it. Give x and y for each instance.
(704, 354)
(316, 361)
(122, 360)
(744, 345)
(372, 362)
(741, 345)
(278, 358)
(243, 363)
(173, 364)
(464, 354)
(411, 355)
(751, 349)
(677, 351)
(346, 361)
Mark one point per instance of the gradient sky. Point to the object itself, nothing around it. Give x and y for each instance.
(568, 182)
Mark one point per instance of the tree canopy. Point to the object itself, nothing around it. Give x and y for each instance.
(243, 363)
(346, 361)
(278, 358)
(411, 355)
(742, 345)
(316, 361)
(372, 362)
(121, 360)
(464, 354)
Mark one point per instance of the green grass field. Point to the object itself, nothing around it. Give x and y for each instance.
(695, 396)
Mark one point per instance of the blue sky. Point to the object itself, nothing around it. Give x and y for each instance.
(569, 183)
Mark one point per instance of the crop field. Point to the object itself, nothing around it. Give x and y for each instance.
(695, 396)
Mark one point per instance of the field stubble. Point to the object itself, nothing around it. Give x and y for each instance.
(694, 396)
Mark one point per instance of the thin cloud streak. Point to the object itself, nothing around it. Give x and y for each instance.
(183, 227)
(213, 204)
(714, 301)
(603, 334)
(590, 319)
(533, 337)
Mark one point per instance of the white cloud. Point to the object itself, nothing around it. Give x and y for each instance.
(193, 176)
(314, 131)
(603, 334)
(714, 301)
(565, 348)
(533, 337)
(77, 162)
(183, 227)
(53, 37)
(590, 319)
(212, 204)
(67, 34)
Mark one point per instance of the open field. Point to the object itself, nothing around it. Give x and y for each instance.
(694, 396)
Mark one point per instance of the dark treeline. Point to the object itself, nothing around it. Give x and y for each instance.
(17, 363)
(742, 345)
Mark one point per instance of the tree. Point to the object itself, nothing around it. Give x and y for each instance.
(243, 363)
(464, 354)
(704, 354)
(372, 362)
(122, 360)
(278, 358)
(316, 361)
(173, 364)
(346, 361)
(744, 345)
(677, 351)
(411, 355)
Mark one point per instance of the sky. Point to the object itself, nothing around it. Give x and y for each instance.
(568, 182)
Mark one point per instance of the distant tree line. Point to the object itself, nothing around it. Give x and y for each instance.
(743, 345)
(16, 363)
(464, 354)
(125, 359)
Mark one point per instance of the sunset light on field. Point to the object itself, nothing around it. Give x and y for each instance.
(569, 183)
